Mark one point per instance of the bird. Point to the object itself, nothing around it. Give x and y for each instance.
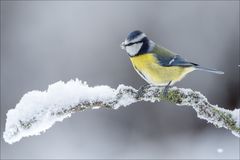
(157, 65)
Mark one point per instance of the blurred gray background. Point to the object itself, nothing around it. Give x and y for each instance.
(44, 42)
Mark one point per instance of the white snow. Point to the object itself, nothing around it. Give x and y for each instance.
(37, 110)
(236, 117)
(127, 98)
(219, 150)
(207, 113)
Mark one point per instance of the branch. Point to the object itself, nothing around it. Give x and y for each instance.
(37, 111)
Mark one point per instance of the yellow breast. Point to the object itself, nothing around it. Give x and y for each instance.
(149, 69)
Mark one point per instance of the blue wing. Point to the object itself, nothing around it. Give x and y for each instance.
(174, 60)
(167, 58)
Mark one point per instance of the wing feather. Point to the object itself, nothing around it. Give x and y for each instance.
(167, 58)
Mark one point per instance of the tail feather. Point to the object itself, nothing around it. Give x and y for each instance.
(200, 68)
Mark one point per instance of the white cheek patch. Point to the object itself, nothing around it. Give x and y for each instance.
(134, 49)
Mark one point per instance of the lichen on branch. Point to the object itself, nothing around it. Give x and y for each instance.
(37, 111)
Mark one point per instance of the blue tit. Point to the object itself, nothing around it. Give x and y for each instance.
(156, 64)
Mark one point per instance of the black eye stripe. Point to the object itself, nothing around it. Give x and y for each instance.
(129, 44)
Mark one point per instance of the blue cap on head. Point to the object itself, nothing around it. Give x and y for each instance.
(134, 35)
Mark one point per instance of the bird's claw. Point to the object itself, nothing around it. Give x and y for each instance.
(166, 88)
(141, 90)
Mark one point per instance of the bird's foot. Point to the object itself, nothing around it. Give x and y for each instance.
(166, 88)
(141, 90)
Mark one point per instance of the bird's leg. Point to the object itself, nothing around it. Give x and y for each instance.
(165, 91)
(141, 90)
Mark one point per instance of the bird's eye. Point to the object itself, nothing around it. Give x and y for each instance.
(129, 44)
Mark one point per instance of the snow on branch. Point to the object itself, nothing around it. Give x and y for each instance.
(37, 111)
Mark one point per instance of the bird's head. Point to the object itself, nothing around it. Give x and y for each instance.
(136, 43)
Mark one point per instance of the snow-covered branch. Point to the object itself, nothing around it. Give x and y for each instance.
(37, 111)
